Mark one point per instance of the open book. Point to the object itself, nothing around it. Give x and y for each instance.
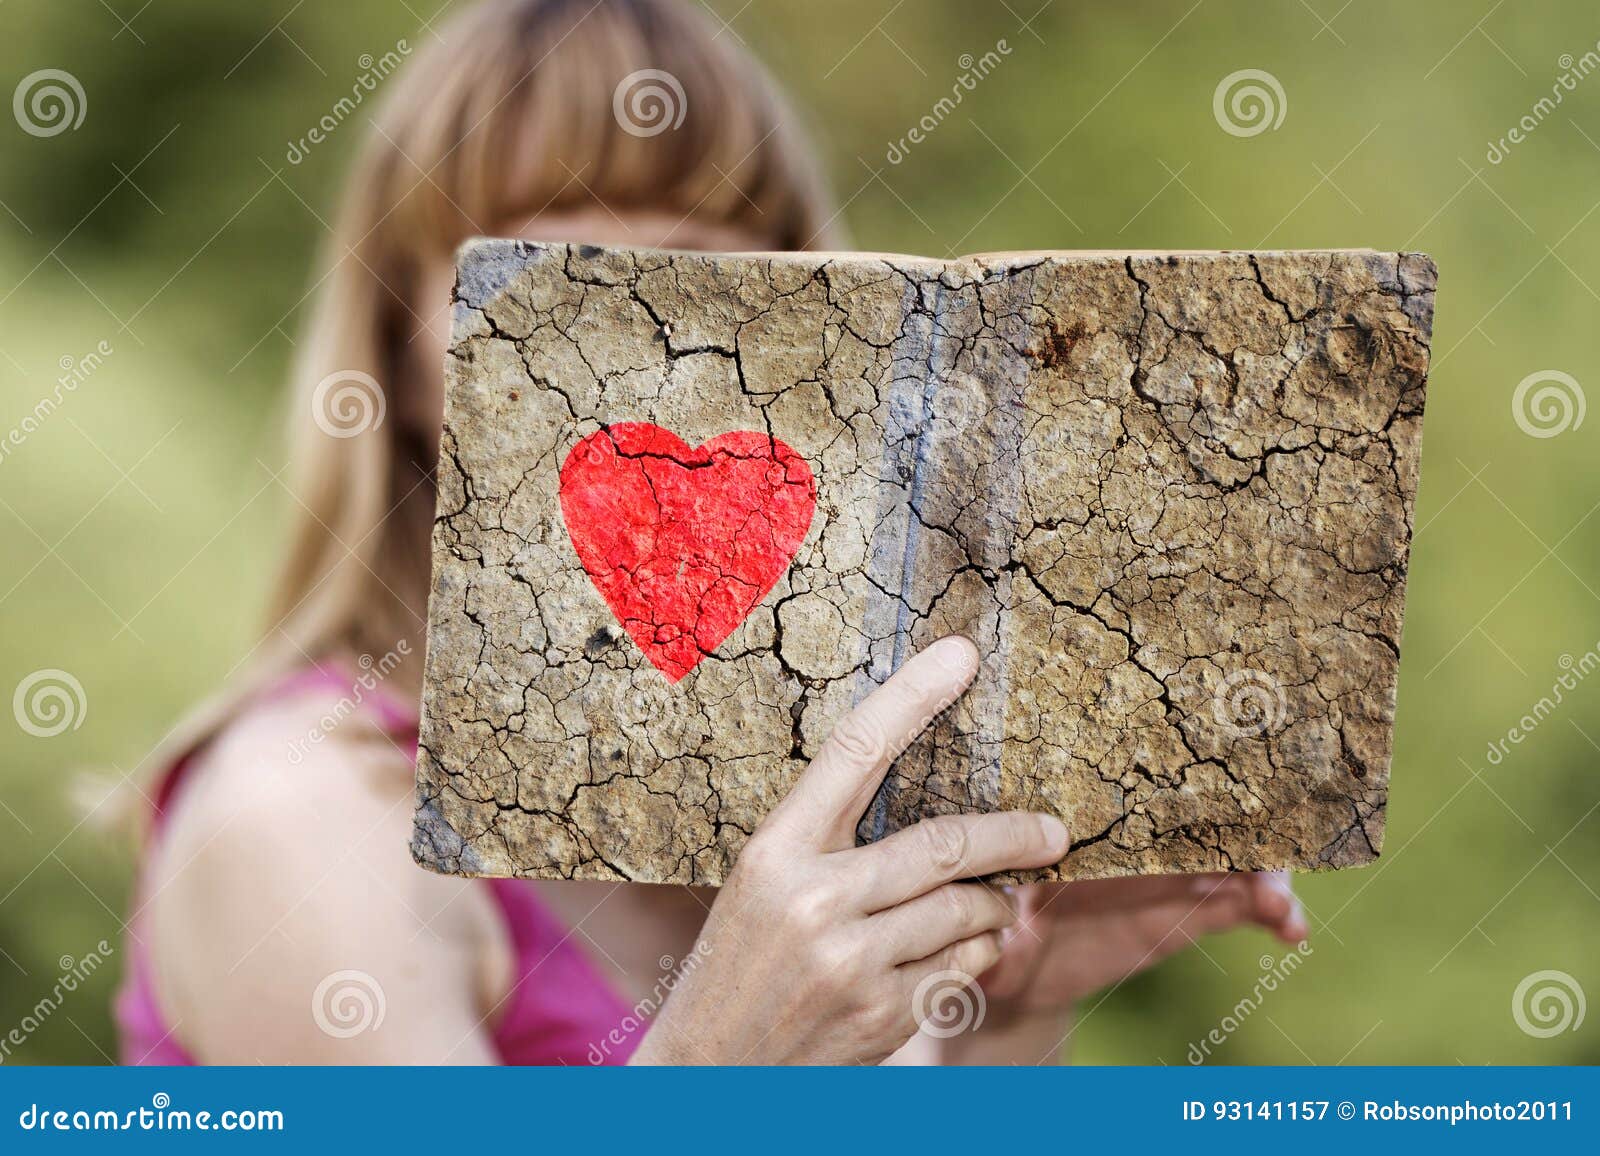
(693, 507)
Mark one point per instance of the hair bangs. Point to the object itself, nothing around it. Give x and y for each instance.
(620, 104)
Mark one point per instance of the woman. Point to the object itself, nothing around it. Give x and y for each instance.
(279, 917)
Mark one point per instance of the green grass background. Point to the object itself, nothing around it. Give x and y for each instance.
(138, 525)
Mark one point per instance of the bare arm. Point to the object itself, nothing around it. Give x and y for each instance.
(289, 925)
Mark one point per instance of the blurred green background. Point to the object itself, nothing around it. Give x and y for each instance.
(139, 520)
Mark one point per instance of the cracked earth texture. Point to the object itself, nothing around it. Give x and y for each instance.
(1170, 497)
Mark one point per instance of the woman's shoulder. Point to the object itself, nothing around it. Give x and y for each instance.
(275, 771)
(283, 857)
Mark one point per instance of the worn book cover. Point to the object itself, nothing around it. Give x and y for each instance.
(693, 507)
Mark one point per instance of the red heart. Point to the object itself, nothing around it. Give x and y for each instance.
(683, 542)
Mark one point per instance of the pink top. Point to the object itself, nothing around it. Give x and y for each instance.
(559, 1010)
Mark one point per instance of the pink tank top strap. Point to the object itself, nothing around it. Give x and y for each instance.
(387, 709)
(390, 712)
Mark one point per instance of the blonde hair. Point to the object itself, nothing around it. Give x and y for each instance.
(522, 107)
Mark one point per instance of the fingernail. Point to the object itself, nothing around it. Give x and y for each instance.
(955, 653)
(1056, 836)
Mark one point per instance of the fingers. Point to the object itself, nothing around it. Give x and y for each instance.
(1019, 963)
(1025, 946)
(1275, 906)
(1264, 898)
(936, 851)
(1174, 926)
(939, 988)
(932, 922)
(1094, 896)
(828, 800)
